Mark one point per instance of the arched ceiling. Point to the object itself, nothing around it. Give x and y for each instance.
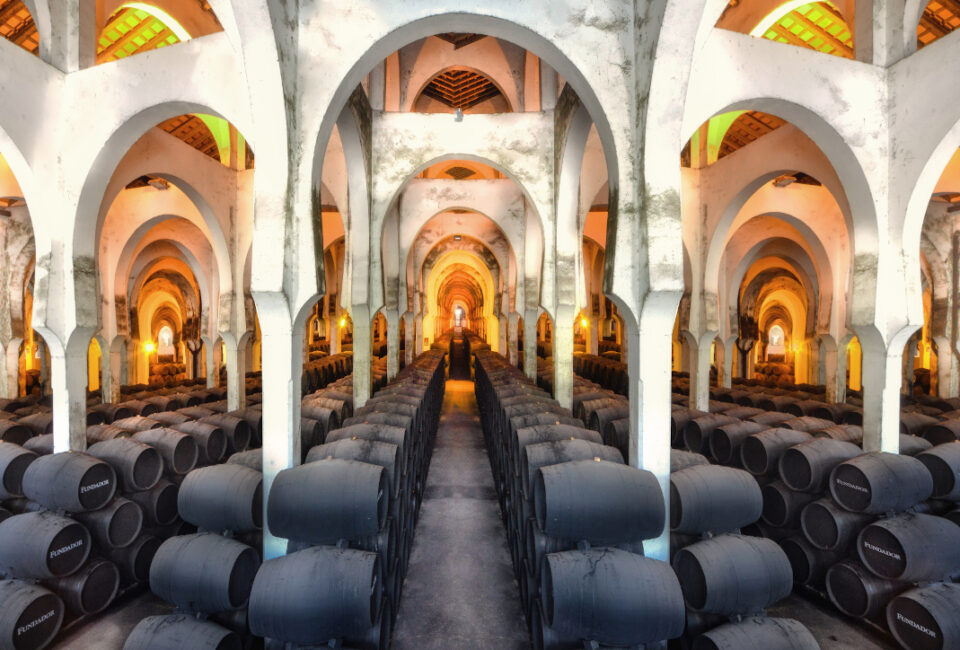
(939, 18)
(133, 29)
(460, 87)
(17, 26)
(814, 25)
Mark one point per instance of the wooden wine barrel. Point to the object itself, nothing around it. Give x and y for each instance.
(911, 548)
(42, 545)
(829, 527)
(598, 501)
(761, 632)
(91, 589)
(71, 481)
(252, 458)
(179, 451)
(204, 572)
(14, 432)
(180, 631)
(222, 497)
(782, 506)
(137, 423)
(30, 615)
(943, 463)
(713, 498)
(857, 592)
(210, 438)
(611, 596)
(329, 500)
(761, 452)
(384, 454)
(114, 526)
(806, 467)
(733, 574)
(925, 618)
(134, 560)
(14, 461)
(159, 503)
(878, 482)
(810, 564)
(138, 466)
(316, 594)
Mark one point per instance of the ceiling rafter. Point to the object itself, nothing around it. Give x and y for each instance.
(192, 130)
(17, 26)
(940, 17)
(816, 25)
(748, 128)
(461, 88)
(130, 31)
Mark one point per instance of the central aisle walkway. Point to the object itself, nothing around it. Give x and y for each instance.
(460, 592)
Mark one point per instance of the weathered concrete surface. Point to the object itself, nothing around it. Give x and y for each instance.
(460, 591)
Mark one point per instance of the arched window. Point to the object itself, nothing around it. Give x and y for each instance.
(165, 342)
(458, 316)
(776, 344)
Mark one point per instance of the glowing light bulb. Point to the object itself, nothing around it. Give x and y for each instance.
(584, 322)
(343, 322)
(149, 347)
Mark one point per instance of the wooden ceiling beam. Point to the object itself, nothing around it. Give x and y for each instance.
(791, 38)
(951, 5)
(22, 33)
(825, 35)
(9, 9)
(933, 25)
(134, 32)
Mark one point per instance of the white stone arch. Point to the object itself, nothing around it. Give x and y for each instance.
(511, 238)
(91, 196)
(407, 26)
(794, 260)
(207, 276)
(212, 226)
(863, 230)
(143, 267)
(813, 250)
(411, 276)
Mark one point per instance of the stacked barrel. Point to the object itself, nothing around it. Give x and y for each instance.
(725, 574)
(609, 373)
(207, 574)
(52, 554)
(874, 533)
(324, 369)
(349, 514)
(576, 518)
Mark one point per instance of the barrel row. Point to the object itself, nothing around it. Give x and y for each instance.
(834, 510)
(609, 373)
(225, 504)
(349, 514)
(345, 517)
(74, 533)
(576, 518)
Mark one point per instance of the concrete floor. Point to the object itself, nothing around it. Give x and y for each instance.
(460, 593)
(109, 630)
(832, 630)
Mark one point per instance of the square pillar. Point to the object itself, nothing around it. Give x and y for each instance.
(68, 384)
(530, 344)
(393, 343)
(282, 370)
(362, 342)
